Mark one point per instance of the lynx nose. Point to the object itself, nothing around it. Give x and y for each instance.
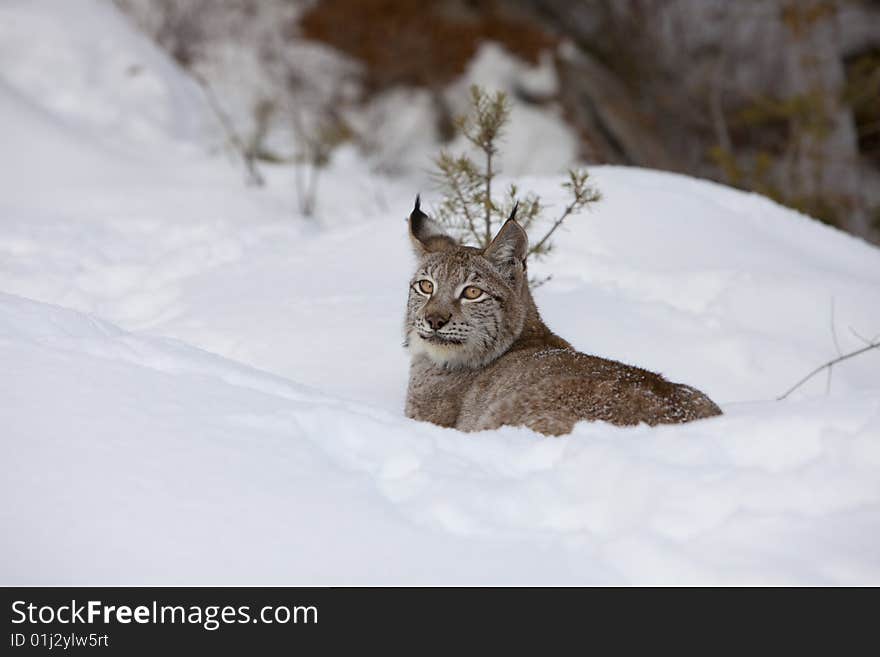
(436, 322)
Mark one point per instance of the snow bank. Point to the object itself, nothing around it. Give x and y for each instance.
(83, 61)
(137, 459)
(199, 387)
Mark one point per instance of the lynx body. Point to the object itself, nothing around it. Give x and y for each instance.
(482, 357)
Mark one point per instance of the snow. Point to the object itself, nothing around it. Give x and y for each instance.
(401, 122)
(539, 140)
(200, 387)
(81, 62)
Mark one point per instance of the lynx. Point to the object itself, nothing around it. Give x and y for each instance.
(482, 357)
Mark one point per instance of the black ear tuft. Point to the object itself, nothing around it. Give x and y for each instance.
(512, 212)
(425, 234)
(418, 220)
(417, 209)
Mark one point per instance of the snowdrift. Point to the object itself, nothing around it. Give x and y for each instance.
(137, 459)
(199, 387)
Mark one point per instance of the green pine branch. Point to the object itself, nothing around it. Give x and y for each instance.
(469, 211)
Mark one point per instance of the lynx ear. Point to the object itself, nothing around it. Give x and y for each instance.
(424, 233)
(509, 248)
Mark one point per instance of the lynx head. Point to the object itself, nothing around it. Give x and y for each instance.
(466, 305)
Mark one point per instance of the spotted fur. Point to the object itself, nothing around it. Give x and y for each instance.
(480, 364)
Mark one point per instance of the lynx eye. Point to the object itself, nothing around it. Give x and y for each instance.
(425, 287)
(471, 293)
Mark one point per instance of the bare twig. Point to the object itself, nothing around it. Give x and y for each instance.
(556, 224)
(300, 178)
(862, 338)
(830, 363)
(836, 346)
(254, 177)
(834, 330)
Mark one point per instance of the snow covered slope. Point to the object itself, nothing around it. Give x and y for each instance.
(200, 387)
(137, 459)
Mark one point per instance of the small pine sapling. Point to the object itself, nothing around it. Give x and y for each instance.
(468, 209)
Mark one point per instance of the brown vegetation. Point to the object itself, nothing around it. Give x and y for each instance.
(426, 43)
